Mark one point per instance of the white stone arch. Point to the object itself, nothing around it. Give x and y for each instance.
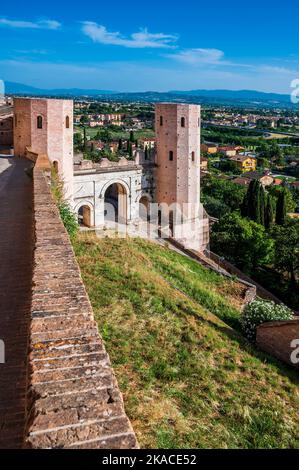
(88, 217)
(124, 198)
(144, 209)
(144, 194)
(114, 181)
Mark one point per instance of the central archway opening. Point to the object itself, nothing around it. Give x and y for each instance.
(144, 207)
(116, 203)
(84, 216)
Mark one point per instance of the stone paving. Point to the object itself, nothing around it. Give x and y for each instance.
(16, 251)
(57, 387)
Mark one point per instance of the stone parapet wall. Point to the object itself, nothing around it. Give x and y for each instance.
(249, 288)
(276, 338)
(260, 291)
(73, 398)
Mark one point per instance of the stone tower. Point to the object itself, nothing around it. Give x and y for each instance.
(46, 126)
(178, 170)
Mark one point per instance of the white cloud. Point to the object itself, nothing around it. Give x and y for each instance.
(141, 39)
(199, 56)
(40, 24)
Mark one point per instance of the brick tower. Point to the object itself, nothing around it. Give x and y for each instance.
(178, 168)
(46, 126)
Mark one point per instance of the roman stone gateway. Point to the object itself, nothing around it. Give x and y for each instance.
(111, 190)
(162, 186)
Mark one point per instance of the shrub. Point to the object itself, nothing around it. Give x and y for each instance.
(261, 311)
(67, 216)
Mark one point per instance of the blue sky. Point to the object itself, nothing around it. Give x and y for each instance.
(158, 45)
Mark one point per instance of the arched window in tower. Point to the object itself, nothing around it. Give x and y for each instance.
(16, 120)
(193, 156)
(171, 156)
(39, 122)
(67, 122)
(161, 120)
(182, 122)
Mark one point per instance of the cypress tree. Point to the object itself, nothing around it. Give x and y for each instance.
(254, 208)
(262, 200)
(132, 136)
(120, 144)
(130, 150)
(244, 205)
(253, 205)
(281, 209)
(84, 138)
(269, 214)
(146, 153)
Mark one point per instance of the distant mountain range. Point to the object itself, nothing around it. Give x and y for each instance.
(225, 97)
(12, 88)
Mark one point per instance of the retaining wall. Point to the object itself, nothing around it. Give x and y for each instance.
(73, 398)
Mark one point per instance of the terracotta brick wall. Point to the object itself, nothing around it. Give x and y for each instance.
(6, 131)
(54, 138)
(178, 180)
(73, 397)
(276, 337)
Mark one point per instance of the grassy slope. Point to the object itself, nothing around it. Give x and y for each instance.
(188, 379)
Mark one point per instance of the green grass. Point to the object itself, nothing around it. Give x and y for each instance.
(188, 379)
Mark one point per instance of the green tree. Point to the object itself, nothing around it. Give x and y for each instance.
(275, 192)
(226, 192)
(262, 208)
(230, 167)
(120, 144)
(286, 249)
(106, 136)
(78, 141)
(146, 153)
(242, 241)
(84, 139)
(269, 212)
(281, 209)
(132, 137)
(130, 149)
(254, 203)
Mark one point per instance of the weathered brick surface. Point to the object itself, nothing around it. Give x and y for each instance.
(276, 337)
(16, 252)
(73, 398)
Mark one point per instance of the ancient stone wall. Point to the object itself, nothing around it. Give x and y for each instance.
(73, 397)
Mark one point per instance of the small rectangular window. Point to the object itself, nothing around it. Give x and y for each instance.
(182, 122)
(193, 156)
(39, 122)
(161, 120)
(171, 156)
